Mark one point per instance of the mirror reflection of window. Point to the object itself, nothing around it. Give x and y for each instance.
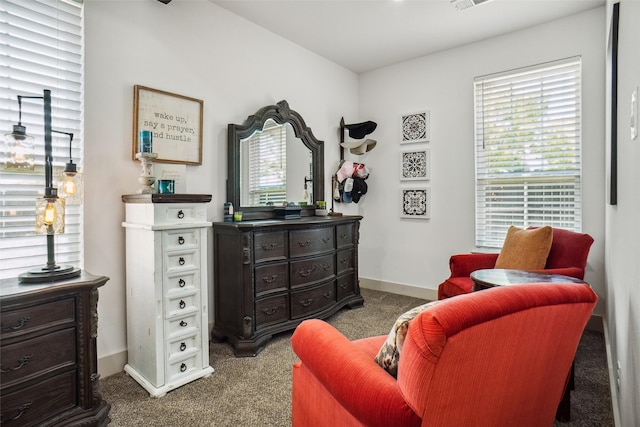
(265, 157)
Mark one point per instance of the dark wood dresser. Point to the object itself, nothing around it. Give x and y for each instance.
(48, 372)
(270, 275)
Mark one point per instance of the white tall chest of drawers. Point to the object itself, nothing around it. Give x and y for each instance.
(167, 314)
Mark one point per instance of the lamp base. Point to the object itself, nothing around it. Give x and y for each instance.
(47, 274)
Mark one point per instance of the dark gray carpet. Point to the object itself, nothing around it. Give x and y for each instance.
(256, 391)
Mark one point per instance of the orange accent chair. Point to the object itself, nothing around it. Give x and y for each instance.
(568, 256)
(499, 357)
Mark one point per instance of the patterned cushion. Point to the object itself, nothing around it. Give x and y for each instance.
(389, 354)
(525, 249)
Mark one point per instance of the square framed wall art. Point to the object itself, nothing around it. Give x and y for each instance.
(416, 127)
(415, 165)
(415, 203)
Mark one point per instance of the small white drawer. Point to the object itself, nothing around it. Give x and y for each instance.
(179, 368)
(187, 238)
(182, 326)
(181, 261)
(183, 346)
(166, 213)
(180, 282)
(180, 304)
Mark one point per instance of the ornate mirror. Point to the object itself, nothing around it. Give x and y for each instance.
(273, 157)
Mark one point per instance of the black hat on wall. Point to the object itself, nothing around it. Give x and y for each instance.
(360, 130)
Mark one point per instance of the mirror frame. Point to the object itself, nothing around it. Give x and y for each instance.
(281, 114)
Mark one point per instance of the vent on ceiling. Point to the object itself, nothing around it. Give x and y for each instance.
(464, 4)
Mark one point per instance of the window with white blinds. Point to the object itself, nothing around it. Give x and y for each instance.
(267, 176)
(527, 149)
(41, 48)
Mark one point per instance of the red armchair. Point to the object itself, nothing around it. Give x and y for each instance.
(492, 358)
(568, 256)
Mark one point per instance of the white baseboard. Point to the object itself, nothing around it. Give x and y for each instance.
(398, 288)
(112, 364)
(613, 387)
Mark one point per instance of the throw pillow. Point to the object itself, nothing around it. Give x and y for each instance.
(525, 249)
(389, 354)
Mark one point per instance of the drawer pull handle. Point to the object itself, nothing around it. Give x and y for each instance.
(182, 304)
(183, 346)
(306, 302)
(343, 285)
(21, 323)
(343, 236)
(326, 239)
(181, 261)
(302, 244)
(181, 283)
(183, 367)
(270, 246)
(21, 410)
(183, 323)
(307, 272)
(326, 267)
(21, 362)
(181, 240)
(344, 261)
(270, 311)
(268, 279)
(328, 295)
(180, 214)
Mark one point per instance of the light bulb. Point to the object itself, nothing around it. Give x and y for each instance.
(50, 215)
(69, 185)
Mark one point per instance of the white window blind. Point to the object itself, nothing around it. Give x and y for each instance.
(528, 149)
(267, 165)
(41, 47)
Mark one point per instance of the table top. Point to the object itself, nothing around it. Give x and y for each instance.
(503, 277)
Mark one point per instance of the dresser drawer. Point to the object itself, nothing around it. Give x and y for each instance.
(271, 278)
(181, 261)
(346, 286)
(173, 240)
(272, 310)
(40, 402)
(179, 282)
(181, 368)
(312, 241)
(165, 213)
(182, 326)
(309, 271)
(28, 319)
(345, 260)
(183, 346)
(345, 235)
(26, 359)
(180, 304)
(312, 300)
(270, 246)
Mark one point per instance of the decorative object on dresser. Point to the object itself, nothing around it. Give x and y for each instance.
(50, 208)
(167, 315)
(49, 369)
(271, 275)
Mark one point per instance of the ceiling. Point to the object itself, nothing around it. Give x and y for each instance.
(363, 35)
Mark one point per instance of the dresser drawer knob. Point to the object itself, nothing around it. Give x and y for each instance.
(183, 367)
(305, 273)
(343, 285)
(304, 243)
(270, 311)
(182, 304)
(344, 261)
(343, 236)
(183, 323)
(180, 214)
(21, 410)
(326, 239)
(183, 346)
(328, 295)
(181, 240)
(181, 261)
(21, 323)
(181, 283)
(306, 302)
(21, 362)
(267, 279)
(270, 246)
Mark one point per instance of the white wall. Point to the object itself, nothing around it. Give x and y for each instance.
(623, 230)
(196, 49)
(416, 252)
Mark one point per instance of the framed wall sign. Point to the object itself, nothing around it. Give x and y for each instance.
(416, 127)
(415, 165)
(415, 203)
(175, 122)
